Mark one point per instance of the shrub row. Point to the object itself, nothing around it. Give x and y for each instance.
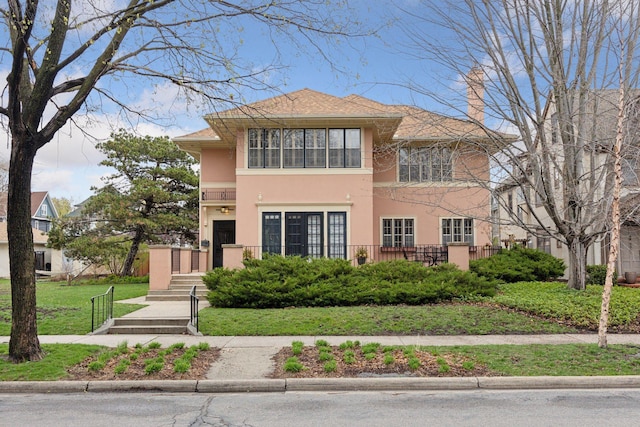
(519, 265)
(278, 282)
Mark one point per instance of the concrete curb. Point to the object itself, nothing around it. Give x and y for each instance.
(515, 383)
(242, 386)
(171, 386)
(321, 384)
(380, 384)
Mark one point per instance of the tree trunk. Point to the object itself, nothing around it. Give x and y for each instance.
(133, 252)
(615, 218)
(577, 265)
(23, 344)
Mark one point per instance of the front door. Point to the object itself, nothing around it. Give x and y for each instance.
(224, 232)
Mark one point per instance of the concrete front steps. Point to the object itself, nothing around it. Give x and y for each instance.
(179, 289)
(138, 326)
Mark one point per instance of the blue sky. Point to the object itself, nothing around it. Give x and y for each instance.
(373, 67)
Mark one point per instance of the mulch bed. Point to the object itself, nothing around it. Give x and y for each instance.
(430, 365)
(199, 367)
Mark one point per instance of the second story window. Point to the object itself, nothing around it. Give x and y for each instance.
(304, 148)
(344, 148)
(264, 148)
(44, 211)
(422, 164)
(315, 148)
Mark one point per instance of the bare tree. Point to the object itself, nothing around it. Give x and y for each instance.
(68, 58)
(549, 66)
(626, 126)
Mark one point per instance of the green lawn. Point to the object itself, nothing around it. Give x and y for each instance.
(66, 310)
(58, 357)
(518, 308)
(556, 359)
(444, 319)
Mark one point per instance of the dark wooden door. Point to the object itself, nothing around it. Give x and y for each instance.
(224, 232)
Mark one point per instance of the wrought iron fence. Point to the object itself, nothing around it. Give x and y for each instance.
(425, 254)
(101, 308)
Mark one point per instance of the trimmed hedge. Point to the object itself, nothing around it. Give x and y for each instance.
(597, 274)
(278, 282)
(519, 265)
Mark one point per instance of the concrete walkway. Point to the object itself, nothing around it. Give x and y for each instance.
(246, 362)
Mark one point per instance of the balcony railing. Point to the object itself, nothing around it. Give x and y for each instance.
(218, 194)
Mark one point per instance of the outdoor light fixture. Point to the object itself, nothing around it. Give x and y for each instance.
(224, 210)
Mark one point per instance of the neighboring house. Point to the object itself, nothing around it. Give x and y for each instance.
(311, 174)
(78, 212)
(521, 204)
(42, 214)
(43, 255)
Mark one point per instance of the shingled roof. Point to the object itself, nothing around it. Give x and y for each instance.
(397, 122)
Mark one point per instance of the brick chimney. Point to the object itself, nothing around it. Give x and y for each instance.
(475, 94)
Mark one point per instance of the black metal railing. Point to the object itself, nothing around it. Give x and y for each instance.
(479, 252)
(193, 298)
(101, 308)
(218, 194)
(425, 254)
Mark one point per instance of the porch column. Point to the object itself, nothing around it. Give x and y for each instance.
(203, 260)
(232, 256)
(459, 254)
(159, 267)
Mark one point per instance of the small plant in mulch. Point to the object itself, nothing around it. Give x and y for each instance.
(293, 365)
(353, 359)
(150, 361)
(296, 347)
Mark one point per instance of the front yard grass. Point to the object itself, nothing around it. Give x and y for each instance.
(517, 308)
(66, 310)
(442, 319)
(58, 358)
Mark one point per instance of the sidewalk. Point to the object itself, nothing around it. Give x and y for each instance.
(246, 362)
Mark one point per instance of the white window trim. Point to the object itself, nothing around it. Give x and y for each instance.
(453, 218)
(393, 217)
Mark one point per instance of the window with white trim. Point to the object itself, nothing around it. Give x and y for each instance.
(398, 232)
(43, 210)
(457, 230)
(425, 164)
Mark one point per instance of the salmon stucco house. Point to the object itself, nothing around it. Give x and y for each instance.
(311, 174)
